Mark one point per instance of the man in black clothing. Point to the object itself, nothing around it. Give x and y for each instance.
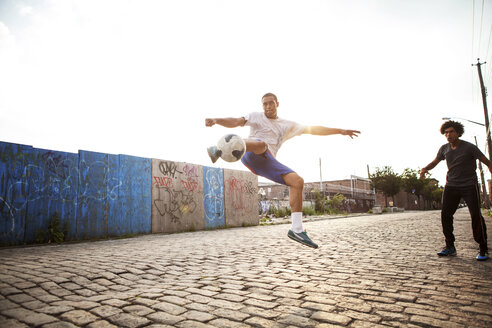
(461, 182)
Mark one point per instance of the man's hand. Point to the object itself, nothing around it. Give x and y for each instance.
(430, 166)
(210, 121)
(350, 133)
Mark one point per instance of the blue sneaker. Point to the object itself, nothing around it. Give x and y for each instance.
(302, 238)
(483, 256)
(447, 251)
(214, 153)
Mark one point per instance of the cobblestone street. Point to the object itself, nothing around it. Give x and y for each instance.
(370, 271)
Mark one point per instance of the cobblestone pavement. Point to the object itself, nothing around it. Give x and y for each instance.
(370, 271)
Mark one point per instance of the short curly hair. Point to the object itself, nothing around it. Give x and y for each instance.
(457, 126)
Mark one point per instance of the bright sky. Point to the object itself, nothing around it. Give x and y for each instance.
(140, 77)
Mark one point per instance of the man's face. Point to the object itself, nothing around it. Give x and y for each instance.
(270, 107)
(451, 135)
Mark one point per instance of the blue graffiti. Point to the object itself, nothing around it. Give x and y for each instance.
(52, 177)
(213, 197)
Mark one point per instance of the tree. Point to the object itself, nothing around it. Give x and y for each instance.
(319, 201)
(412, 183)
(432, 191)
(386, 181)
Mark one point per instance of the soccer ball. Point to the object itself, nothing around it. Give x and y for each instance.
(231, 147)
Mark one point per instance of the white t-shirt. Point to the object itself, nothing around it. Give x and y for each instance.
(273, 131)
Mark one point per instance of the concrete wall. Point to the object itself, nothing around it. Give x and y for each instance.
(241, 190)
(177, 196)
(99, 195)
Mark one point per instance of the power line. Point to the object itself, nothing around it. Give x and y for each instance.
(477, 46)
(473, 29)
(472, 47)
(488, 72)
(488, 43)
(481, 24)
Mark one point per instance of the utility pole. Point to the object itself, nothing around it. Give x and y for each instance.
(484, 101)
(482, 178)
(485, 110)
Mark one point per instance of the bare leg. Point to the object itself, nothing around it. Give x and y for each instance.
(296, 232)
(296, 185)
(256, 146)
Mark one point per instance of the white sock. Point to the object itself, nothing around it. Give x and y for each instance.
(296, 222)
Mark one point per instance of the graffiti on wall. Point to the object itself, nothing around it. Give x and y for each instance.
(54, 178)
(175, 190)
(13, 190)
(35, 184)
(213, 197)
(85, 190)
(174, 203)
(106, 195)
(241, 194)
(190, 180)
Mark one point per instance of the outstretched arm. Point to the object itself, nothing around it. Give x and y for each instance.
(429, 167)
(228, 122)
(324, 131)
(487, 162)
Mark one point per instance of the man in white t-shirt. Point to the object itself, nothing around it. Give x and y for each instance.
(267, 133)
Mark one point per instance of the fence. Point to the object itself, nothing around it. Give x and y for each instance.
(101, 195)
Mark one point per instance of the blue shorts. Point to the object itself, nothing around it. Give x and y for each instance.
(266, 165)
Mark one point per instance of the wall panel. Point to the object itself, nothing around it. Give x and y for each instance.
(53, 186)
(177, 196)
(213, 185)
(98, 193)
(135, 197)
(13, 192)
(241, 198)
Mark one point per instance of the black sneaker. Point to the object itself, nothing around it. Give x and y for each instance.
(483, 256)
(302, 238)
(447, 251)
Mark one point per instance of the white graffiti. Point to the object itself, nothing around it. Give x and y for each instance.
(12, 217)
(214, 198)
(89, 190)
(56, 179)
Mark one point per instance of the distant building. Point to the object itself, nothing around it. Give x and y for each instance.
(360, 197)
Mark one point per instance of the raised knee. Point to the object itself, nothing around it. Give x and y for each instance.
(263, 146)
(256, 146)
(299, 182)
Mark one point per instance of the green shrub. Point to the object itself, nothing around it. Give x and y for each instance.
(307, 210)
(282, 212)
(335, 204)
(54, 232)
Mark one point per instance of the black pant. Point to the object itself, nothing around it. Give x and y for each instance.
(450, 201)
